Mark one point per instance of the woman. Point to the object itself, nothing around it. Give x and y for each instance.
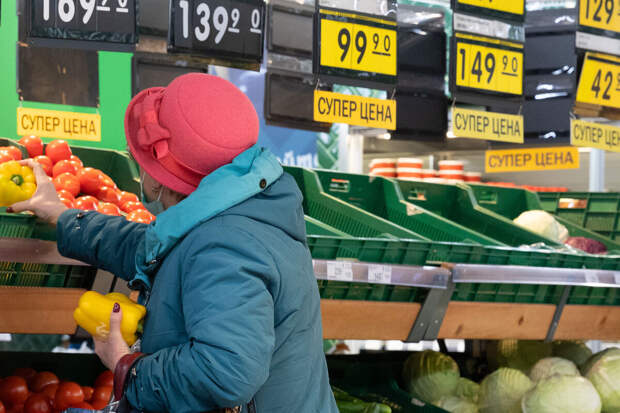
(225, 273)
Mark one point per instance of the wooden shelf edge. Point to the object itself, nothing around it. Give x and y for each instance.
(372, 320)
(33, 310)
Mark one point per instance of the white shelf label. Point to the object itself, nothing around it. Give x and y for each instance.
(340, 271)
(617, 278)
(591, 278)
(380, 274)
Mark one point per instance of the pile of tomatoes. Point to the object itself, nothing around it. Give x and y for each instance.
(78, 186)
(29, 391)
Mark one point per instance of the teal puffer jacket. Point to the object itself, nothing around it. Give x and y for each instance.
(233, 308)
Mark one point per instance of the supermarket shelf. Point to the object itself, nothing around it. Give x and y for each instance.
(366, 320)
(410, 276)
(514, 274)
(33, 251)
(31, 310)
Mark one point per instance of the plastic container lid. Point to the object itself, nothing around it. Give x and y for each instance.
(387, 172)
(451, 165)
(429, 173)
(390, 162)
(414, 162)
(435, 180)
(409, 170)
(451, 172)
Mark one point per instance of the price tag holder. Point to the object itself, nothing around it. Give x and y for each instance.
(591, 278)
(487, 65)
(503, 9)
(601, 15)
(355, 45)
(227, 29)
(599, 83)
(380, 274)
(89, 24)
(339, 271)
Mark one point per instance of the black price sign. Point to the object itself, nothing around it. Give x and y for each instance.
(221, 28)
(94, 22)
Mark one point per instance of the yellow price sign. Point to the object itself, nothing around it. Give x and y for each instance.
(333, 107)
(532, 159)
(357, 43)
(595, 135)
(489, 64)
(600, 14)
(59, 124)
(599, 83)
(506, 6)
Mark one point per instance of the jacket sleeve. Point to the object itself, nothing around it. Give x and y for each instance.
(104, 241)
(229, 318)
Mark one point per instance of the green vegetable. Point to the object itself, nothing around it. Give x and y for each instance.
(430, 375)
(468, 390)
(575, 351)
(518, 354)
(603, 370)
(344, 396)
(552, 366)
(562, 394)
(454, 404)
(357, 407)
(501, 391)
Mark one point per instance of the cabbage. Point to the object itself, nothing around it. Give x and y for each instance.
(455, 404)
(518, 354)
(552, 366)
(543, 224)
(603, 370)
(562, 394)
(501, 391)
(468, 389)
(575, 351)
(430, 375)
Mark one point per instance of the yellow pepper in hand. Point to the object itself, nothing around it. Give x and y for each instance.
(17, 183)
(94, 309)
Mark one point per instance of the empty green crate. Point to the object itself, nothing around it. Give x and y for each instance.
(316, 227)
(457, 203)
(339, 290)
(382, 197)
(511, 202)
(46, 275)
(336, 213)
(596, 211)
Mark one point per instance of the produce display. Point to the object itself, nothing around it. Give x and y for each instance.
(78, 186)
(349, 404)
(29, 391)
(544, 224)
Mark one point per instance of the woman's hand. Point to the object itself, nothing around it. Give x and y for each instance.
(45, 202)
(112, 348)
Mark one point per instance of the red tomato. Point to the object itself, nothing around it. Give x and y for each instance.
(128, 197)
(141, 216)
(82, 405)
(33, 144)
(91, 180)
(105, 379)
(101, 394)
(2, 410)
(63, 193)
(43, 379)
(64, 166)
(46, 163)
(38, 403)
(107, 181)
(99, 404)
(58, 150)
(13, 390)
(25, 372)
(109, 209)
(88, 393)
(68, 394)
(132, 206)
(50, 390)
(68, 182)
(86, 203)
(109, 194)
(68, 203)
(5, 157)
(76, 161)
(18, 408)
(15, 153)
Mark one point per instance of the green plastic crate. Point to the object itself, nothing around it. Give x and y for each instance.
(382, 197)
(338, 214)
(338, 290)
(596, 211)
(511, 202)
(119, 167)
(316, 227)
(457, 203)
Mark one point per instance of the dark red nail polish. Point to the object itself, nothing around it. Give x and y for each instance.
(117, 308)
(9, 210)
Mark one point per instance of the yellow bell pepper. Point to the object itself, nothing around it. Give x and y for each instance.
(93, 315)
(17, 183)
